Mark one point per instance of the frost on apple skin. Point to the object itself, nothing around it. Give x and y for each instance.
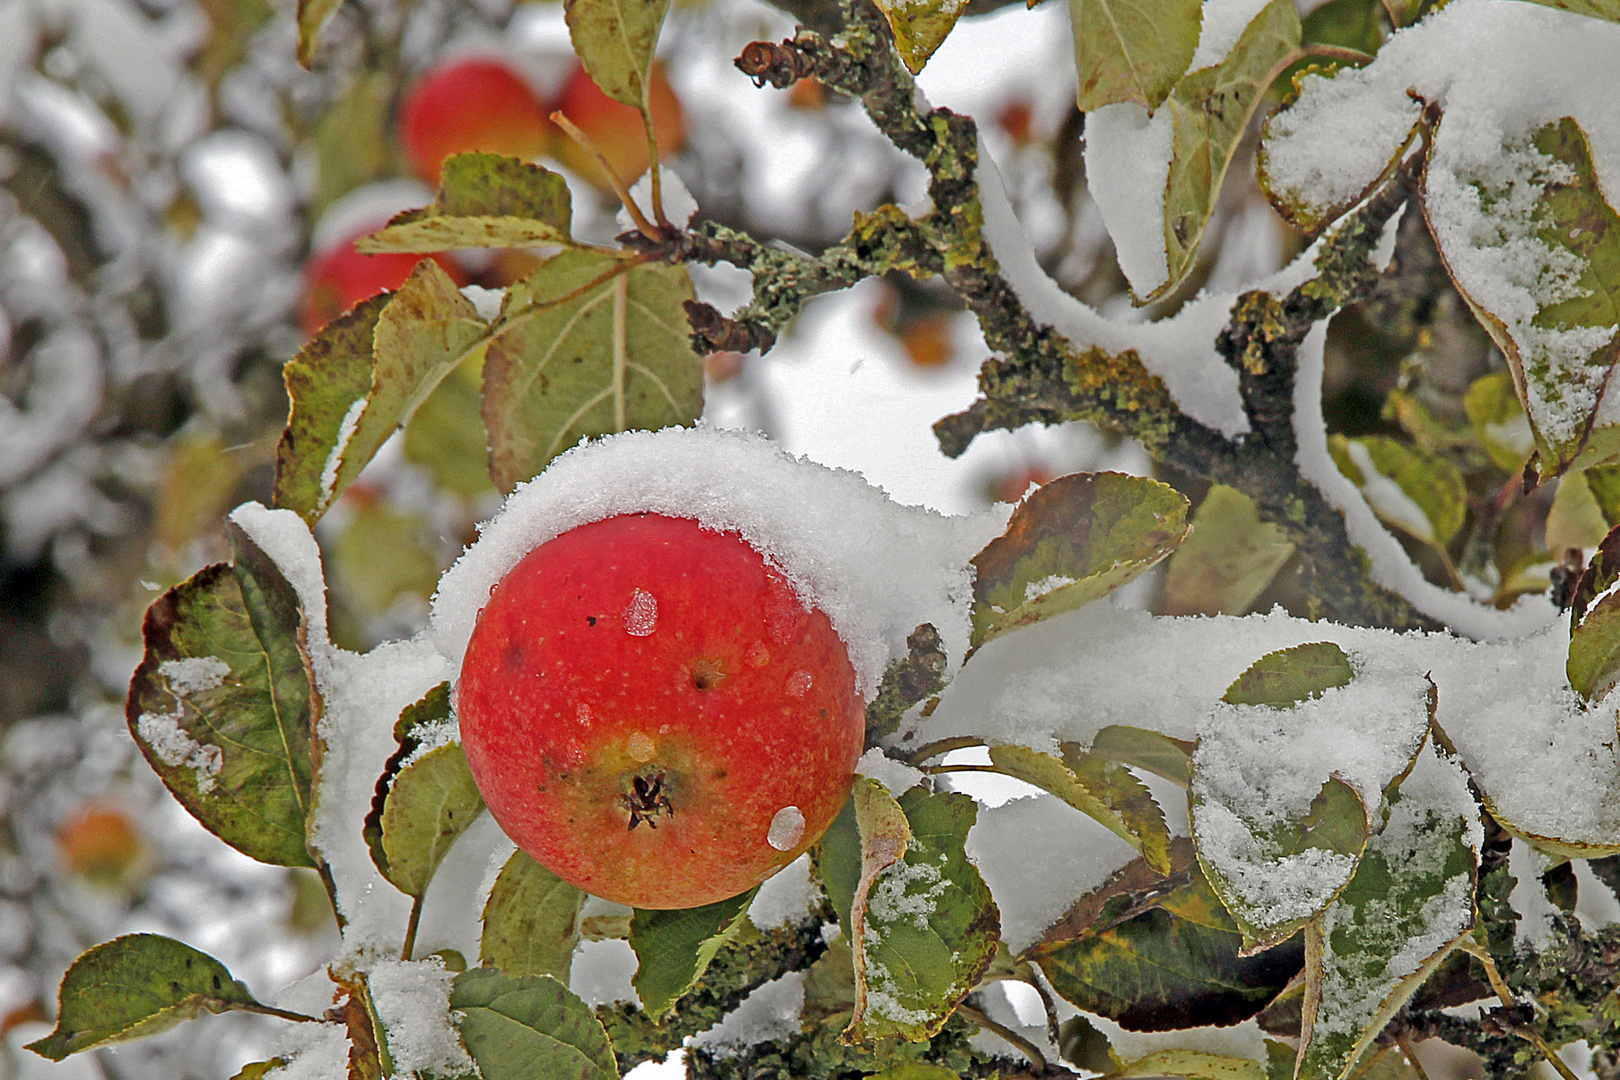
(876, 568)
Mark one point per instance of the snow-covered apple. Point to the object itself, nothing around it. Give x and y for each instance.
(653, 714)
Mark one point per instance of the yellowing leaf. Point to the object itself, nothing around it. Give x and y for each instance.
(1104, 790)
(920, 27)
(615, 40)
(586, 346)
(313, 15)
(1227, 560)
(1419, 493)
(1132, 50)
(484, 200)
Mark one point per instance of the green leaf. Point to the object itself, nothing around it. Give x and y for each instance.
(920, 27)
(381, 555)
(1597, 9)
(1419, 493)
(430, 803)
(1157, 953)
(674, 947)
(585, 346)
(1594, 623)
(1561, 356)
(1132, 50)
(531, 920)
(615, 40)
(522, 1027)
(1493, 409)
(313, 15)
(345, 404)
(446, 434)
(1102, 789)
(353, 144)
(1411, 900)
(1575, 519)
(221, 704)
(1209, 111)
(924, 927)
(1158, 754)
(838, 861)
(1227, 560)
(255, 1070)
(1288, 676)
(1348, 24)
(484, 200)
(136, 986)
(415, 721)
(1073, 540)
(1195, 1065)
(1604, 483)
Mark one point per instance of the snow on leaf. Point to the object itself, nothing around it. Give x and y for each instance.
(361, 377)
(519, 1027)
(1096, 530)
(674, 948)
(1411, 900)
(923, 926)
(484, 200)
(1096, 786)
(1284, 795)
(531, 920)
(1420, 493)
(135, 986)
(1130, 50)
(235, 753)
(1227, 560)
(586, 346)
(615, 40)
(1210, 110)
(1530, 240)
(1160, 953)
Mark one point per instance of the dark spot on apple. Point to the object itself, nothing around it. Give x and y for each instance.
(590, 620)
(515, 656)
(707, 674)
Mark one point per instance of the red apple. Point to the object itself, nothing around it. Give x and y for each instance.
(476, 103)
(100, 843)
(615, 128)
(340, 277)
(652, 714)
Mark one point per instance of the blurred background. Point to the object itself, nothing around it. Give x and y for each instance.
(178, 201)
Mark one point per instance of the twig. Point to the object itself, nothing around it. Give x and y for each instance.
(645, 227)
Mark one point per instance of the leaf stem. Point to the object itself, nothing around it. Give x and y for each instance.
(645, 227)
(1029, 1049)
(1411, 1058)
(621, 349)
(1335, 52)
(271, 1010)
(410, 928)
(654, 171)
(941, 746)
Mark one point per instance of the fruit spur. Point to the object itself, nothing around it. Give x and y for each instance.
(652, 713)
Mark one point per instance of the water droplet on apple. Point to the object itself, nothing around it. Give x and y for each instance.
(799, 683)
(582, 714)
(640, 616)
(639, 747)
(787, 828)
(758, 655)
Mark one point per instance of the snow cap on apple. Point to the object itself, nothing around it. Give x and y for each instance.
(666, 642)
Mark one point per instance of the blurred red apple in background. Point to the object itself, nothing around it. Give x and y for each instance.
(340, 277)
(617, 129)
(474, 103)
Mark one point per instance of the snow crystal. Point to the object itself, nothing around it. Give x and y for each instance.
(313, 1052)
(1529, 897)
(877, 569)
(785, 897)
(1038, 855)
(169, 741)
(679, 205)
(1037, 589)
(334, 458)
(454, 901)
(771, 1011)
(799, 683)
(412, 998)
(1127, 171)
(430, 737)
(1244, 1040)
(904, 892)
(1257, 769)
(194, 674)
(640, 616)
(896, 776)
(1223, 23)
(787, 828)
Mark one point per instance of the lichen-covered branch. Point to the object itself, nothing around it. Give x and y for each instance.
(1039, 376)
